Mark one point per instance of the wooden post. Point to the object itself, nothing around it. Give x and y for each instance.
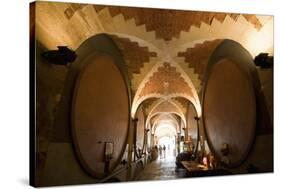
(130, 150)
(179, 141)
(198, 136)
(135, 124)
(145, 145)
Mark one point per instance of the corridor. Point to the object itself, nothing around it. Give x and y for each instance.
(116, 87)
(160, 169)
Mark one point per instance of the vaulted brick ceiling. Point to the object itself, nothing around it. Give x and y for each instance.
(169, 23)
(166, 106)
(134, 55)
(181, 100)
(147, 104)
(198, 56)
(164, 117)
(165, 51)
(166, 81)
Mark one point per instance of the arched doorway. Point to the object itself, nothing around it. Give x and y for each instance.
(165, 133)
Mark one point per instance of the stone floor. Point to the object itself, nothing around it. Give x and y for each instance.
(160, 169)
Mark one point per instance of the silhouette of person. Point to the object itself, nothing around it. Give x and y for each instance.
(160, 151)
(164, 151)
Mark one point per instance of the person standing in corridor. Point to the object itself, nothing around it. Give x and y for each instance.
(160, 151)
(164, 151)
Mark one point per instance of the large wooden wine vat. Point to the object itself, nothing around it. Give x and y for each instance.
(229, 102)
(100, 113)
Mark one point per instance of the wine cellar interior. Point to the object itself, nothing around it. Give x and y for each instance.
(134, 94)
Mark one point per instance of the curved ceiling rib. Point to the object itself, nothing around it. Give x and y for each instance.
(161, 96)
(163, 81)
(172, 107)
(167, 34)
(165, 130)
(164, 24)
(58, 24)
(165, 119)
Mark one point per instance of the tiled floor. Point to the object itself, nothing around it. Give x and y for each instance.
(160, 169)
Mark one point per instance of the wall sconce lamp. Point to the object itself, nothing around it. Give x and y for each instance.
(62, 56)
(196, 118)
(263, 60)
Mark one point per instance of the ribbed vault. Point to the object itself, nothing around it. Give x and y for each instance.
(165, 51)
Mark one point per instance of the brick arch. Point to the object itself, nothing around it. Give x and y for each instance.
(172, 22)
(163, 97)
(166, 73)
(171, 112)
(141, 42)
(173, 108)
(161, 118)
(153, 54)
(228, 29)
(133, 53)
(198, 56)
(170, 129)
(178, 84)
